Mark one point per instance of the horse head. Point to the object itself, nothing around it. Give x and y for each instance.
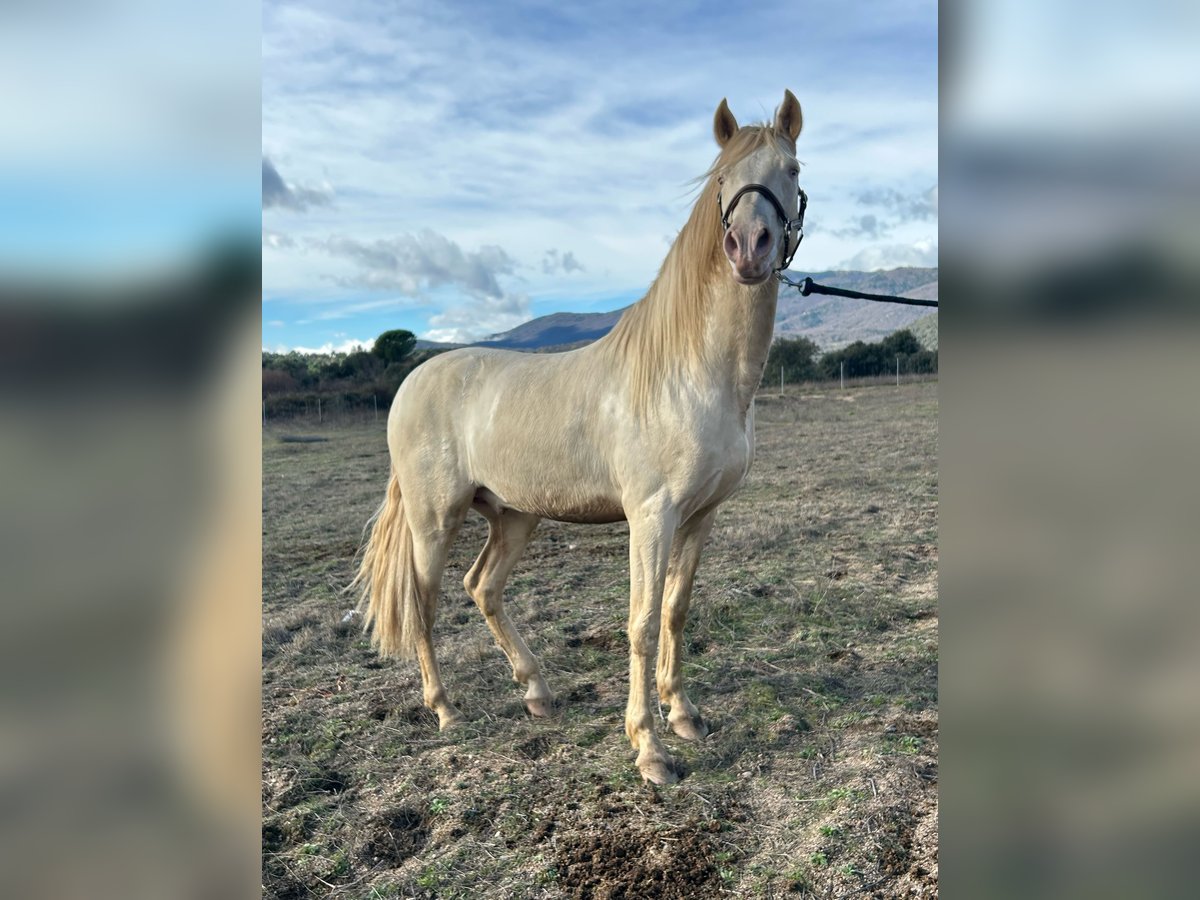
(759, 197)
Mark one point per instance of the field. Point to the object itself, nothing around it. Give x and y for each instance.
(812, 654)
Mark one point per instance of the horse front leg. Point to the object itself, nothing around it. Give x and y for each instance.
(685, 556)
(650, 538)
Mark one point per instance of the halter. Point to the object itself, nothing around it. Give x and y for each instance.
(788, 224)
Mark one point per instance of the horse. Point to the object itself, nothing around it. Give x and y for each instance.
(652, 424)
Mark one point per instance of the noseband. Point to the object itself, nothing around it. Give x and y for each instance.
(788, 224)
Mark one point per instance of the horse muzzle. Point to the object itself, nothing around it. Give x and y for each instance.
(751, 250)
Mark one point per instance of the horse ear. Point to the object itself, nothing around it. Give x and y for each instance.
(725, 125)
(788, 118)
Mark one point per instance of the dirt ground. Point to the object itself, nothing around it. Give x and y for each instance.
(812, 653)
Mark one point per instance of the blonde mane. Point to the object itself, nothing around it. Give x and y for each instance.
(664, 331)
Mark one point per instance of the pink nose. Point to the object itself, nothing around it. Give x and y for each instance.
(746, 245)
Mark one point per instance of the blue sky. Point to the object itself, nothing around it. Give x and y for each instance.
(458, 168)
(130, 134)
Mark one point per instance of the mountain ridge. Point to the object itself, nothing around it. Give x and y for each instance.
(833, 322)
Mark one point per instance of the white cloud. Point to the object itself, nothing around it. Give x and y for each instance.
(277, 241)
(412, 263)
(347, 346)
(889, 256)
(466, 283)
(478, 318)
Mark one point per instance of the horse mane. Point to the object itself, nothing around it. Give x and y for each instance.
(663, 332)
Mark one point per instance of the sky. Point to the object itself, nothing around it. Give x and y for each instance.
(131, 129)
(459, 168)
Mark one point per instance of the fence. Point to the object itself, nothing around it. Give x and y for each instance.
(324, 409)
(318, 411)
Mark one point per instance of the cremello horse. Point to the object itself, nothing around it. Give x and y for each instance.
(653, 423)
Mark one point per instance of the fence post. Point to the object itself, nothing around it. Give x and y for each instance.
(781, 381)
(318, 410)
(375, 400)
(897, 370)
(843, 374)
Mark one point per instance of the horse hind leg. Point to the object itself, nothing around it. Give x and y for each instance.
(431, 545)
(508, 533)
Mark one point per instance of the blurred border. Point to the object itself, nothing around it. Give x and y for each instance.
(129, 275)
(1071, 633)
(130, 531)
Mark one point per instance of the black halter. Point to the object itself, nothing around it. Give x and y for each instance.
(788, 224)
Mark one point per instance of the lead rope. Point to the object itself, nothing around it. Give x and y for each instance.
(808, 286)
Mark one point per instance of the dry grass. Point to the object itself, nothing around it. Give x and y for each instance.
(812, 650)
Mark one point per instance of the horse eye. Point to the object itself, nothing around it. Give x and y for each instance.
(795, 173)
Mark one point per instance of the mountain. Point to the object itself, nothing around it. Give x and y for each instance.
(832, 322)
(555, 330)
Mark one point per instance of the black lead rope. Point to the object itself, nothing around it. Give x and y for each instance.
(808, 286)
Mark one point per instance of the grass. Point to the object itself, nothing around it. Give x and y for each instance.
(811, 652)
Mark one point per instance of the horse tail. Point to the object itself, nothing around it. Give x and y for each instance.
(387, 579)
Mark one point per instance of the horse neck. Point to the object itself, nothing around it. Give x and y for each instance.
(695, 322)
(741, 322)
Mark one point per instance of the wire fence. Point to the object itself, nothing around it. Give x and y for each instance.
(333, 412)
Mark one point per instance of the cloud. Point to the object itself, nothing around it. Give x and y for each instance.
(868, 226)
(474, 307)
(277, 241)
(890, 256)
(918, 207)
(895, 209)
(347, 346)
(478, 318)
(278, 193)
(412, 263)
(566, 263)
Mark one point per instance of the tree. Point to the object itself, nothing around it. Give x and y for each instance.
(793, 357)
(902, 342)
(359, 366)
(393, 346)
(865, 360)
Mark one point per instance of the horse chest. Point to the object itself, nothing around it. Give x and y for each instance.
(721, 462)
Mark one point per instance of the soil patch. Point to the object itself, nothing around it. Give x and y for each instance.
(676, 864)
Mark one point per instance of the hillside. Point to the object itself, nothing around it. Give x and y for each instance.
(832, 322)
(555, 329)
(926, 330)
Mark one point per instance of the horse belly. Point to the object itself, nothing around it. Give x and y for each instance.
(544, 479)
(569, 506)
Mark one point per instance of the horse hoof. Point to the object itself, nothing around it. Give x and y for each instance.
(540, 708)
(689, 728)
(657, 771)
(449, 720)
